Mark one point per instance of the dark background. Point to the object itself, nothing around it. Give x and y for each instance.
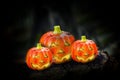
(25, 22)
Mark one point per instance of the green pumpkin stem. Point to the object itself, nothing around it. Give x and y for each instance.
(83, 38)
(39, 45)
(57, 30)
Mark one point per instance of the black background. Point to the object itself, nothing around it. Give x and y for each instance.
(14, 47)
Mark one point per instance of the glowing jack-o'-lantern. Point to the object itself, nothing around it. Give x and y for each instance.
(39, 58)
(59, 43)
(84, 50)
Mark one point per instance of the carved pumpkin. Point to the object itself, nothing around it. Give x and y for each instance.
(39, 58)
(84, 50)
(59, 43)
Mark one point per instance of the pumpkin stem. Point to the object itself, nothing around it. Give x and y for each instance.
(57, 30)
(83, 38)
(39, 45)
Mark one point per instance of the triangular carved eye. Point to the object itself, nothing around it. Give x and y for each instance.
(67, 44)
(80, 49)
(36, 56)
(53, 44)
(45, 55)
(90, 48)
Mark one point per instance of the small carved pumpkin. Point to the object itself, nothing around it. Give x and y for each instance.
(84, 50)
(59, 43)
(39, 58)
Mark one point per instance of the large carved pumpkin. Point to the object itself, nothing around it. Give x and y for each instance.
(84, 50)
(39, 58)
(59, 43)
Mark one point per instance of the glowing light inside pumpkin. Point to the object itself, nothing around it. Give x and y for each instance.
(39, 58)
(84, 50)
(59, 43)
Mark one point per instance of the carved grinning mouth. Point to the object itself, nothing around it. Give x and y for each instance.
(90, 58)
(40, 66)
(62, 59)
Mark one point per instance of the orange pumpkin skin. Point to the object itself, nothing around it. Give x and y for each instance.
(84, 51)
(39, 58)
(59, 43)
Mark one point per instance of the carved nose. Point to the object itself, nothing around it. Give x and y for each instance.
(60, 51)
(86, 54)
